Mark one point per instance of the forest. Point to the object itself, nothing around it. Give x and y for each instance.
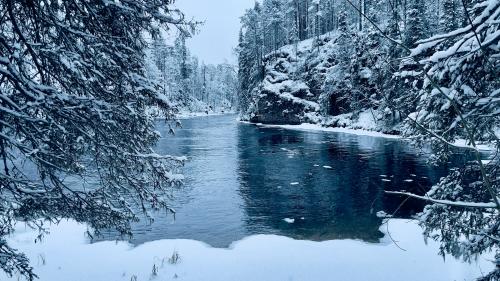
(191, 85)
(367, 56)
(124, 155)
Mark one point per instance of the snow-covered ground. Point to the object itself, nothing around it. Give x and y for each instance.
(480, 147)
(366, 132)
(316, 127)
(364, 125)
(187, 114)
(65, 255)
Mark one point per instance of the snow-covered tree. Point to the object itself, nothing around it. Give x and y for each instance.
(191, 86)
(273, 24)
(415, 27)
(292, 21)
(459, 99)
(250, 54)
(73, 105)
(449, 16)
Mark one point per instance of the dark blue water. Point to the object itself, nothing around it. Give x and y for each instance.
(244, 179)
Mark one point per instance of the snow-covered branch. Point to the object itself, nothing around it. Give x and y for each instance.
(460, 204)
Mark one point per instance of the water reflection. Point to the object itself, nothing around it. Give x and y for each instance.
(331, 185)
(244, 180)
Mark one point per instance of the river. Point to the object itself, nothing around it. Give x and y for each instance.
(243, 179)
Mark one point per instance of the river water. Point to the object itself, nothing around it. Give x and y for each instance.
(243, 179)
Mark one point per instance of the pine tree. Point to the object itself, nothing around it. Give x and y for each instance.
(344, 38)
(416, 25)
(338, 90)
(250, 52)
(185, 71)
(449, 19)
(292, 21)
(273, 25)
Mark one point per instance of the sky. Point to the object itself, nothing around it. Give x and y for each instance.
(218, 36)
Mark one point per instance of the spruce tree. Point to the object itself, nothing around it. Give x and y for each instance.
(74, 101)
(449, 16)
(416, 24)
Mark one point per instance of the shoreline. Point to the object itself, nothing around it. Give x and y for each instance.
(460, 143)
(278, 257)
(189, 115)
(316, 127)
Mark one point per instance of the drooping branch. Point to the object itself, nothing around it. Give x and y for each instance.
(460, 204)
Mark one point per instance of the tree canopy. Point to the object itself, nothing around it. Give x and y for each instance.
(73, 109)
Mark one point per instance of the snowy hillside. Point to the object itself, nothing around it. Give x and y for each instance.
(309, 82)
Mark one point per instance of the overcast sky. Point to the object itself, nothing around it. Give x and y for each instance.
(219, 35)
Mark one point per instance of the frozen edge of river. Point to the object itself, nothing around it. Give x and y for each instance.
(189, 115)
(315, 127)
(361, 132)
(65, 255)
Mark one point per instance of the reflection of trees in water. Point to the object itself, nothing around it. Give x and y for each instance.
(207, 209)
(337, 203)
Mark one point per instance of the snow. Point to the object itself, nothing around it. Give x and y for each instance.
(65, 255)
(285, 90)
(316, 127)
(187, 114)
(382, 214)
(366, 121)
(366, 73)
(482, 147)
(480, 205)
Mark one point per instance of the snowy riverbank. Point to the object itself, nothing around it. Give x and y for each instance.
(316, 127)
(461, 143)
(365, 125)
(187, 115)
(65, 255)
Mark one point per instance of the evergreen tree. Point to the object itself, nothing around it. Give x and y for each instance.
(250, 50)
(185, 71)
(449, 17)
(458, 99)
(416, 25)
(292, 21)
(74, 100)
